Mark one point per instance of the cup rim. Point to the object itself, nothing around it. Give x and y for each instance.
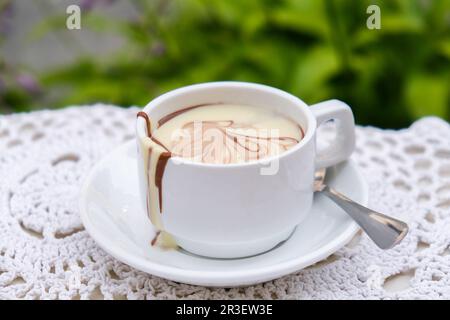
(309, 133)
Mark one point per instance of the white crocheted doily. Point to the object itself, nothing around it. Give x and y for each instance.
(46, 254)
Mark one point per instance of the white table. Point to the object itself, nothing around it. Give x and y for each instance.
(46, 254)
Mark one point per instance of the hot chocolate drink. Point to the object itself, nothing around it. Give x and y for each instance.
(212, 133)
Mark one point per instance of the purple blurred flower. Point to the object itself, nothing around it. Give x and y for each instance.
(28, 83)
(6, 14)
(158, 48)
(87, 5)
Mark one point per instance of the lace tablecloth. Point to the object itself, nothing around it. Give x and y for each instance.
(46, 254)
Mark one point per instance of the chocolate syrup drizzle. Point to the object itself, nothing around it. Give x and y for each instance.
(172, 115)
(251, 146)
(155, 238)
(144, 115)
(161, 163)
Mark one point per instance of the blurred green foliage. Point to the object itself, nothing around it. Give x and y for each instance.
(315, 49)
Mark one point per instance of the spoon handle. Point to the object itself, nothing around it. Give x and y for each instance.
(385, 231)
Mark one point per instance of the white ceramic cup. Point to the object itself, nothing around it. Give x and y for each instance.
(232, 210)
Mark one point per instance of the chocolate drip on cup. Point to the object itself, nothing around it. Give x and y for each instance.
(160, 168)
(161, 161)
(148, 127)
(155, 173)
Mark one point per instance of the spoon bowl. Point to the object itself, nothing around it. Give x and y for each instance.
(385, 231)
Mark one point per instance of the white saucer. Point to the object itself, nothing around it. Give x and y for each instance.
(113, 215)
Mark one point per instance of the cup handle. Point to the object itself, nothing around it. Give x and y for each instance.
(344, 143)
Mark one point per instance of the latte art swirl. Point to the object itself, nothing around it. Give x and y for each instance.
(227, 141)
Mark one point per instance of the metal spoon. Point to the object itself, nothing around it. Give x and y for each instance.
(385, 231)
